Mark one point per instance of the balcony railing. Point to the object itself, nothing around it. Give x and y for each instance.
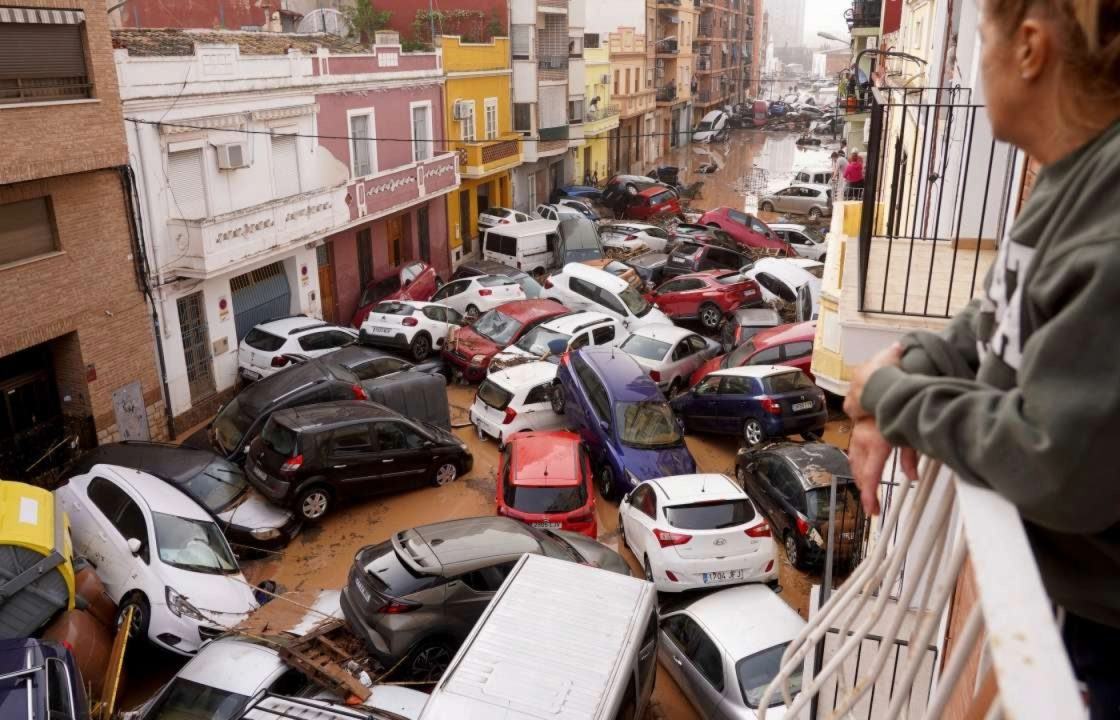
(481, 158)
(44, 89)
(560, 132)
(552, 62)
(864, 14)
(668, 46)
(867, 648)
(667, 93)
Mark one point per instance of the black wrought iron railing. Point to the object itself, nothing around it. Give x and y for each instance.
(559, 132)
(865, 13)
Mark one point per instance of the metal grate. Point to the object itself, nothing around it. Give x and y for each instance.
(196, 346)
(260, 295)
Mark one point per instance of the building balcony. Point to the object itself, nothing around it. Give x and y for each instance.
(669, 3)
(600, 120)
(378, 195)
(864, 14)
(211, 246)
(667, 48)
(667, 94)
(479, 159)
(636, 104)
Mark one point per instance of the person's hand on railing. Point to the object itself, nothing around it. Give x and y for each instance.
(868, 453)
(891, 356)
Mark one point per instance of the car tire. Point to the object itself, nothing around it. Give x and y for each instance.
(141, 614)
(314, 503)
(710, 316)
(814, 214)
(606, 482)
(421, 346)
(793, 554)
(753, 434)
(445, 474)
(766, 207)
(472, 312)
(429, 660)
(557, 399)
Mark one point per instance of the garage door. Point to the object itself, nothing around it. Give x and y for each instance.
(259, 296)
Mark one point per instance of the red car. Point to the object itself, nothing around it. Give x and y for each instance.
(784, 345)
(472, 348)
(746, 229)
(652, 201)
(544, 479)
(414, 281)
(706, 295)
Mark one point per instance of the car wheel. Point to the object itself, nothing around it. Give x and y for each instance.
(766, 207)
(710, 316)
(814, 214)
(141, 615)
(557, 399)
(472, 312)
(607, 484)
(429, 661)
(446, 473)
(313, 503)
(792, 553)
(421, 347)
(753, 433)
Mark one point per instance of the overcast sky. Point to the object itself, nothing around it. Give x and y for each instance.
(827, 15)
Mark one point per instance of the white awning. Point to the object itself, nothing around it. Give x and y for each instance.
(41, 16)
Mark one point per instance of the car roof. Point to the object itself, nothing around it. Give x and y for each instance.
(548, 459)
(601, 278)
(333, 414)
(789, 226)
(755, 371)
(783, 268)
(712, 115)
(647, 259)
(706, 274)
(574, 322)
(785, 333)
(663, 332)
(627, 226)
(268, 390)
(490, 267)
(698, 487)
(818, 462)
(522, 229)
(176, 463)
(418, 304)
(292, 325)
(528, 310)
(524, 374)
(758, 316)
(351, 356)
(160, 496)
(624, 378)
(457, 546)
(233, 665)
(746, 619)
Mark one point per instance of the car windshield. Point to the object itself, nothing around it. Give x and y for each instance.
(231, 424)
(704, 126)
(394, 308)
(217, 486)
(756, 671)
(645, 347)
(711, 515)
(536, 499)
(264, 341)
(634, 302)
(497, 327)
(738, 356)
(195, 545)
(536, 341)
(279, 438)
(847, 503)
(687, 250)
(788, 382)
(187, 700)
(731, 278)
(647, 424)
(494, 395)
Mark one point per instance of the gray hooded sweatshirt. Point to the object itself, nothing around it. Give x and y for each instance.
(1021, 392)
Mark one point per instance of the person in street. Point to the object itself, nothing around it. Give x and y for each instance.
(853, 177)
(839, 165)
(1021, 392)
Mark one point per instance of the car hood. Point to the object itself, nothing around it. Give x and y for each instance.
(468, 343)
(649, 464)
(255, 512)
(224, 598)
(576, 256)
(595, 553)
(653, 317)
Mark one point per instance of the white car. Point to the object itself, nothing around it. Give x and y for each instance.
(515, 399)
(575, 330)
(158, 552)
(813, 267)
(227, 674)
(712, 127)
(724, 648)
(697, 531)
(632, 236)
(805, 243)
(473, 296)
(559, 212)
(418, 327)
(669, 354)
(500, 216)
(266, 349)
(781, 278)
(580, 287)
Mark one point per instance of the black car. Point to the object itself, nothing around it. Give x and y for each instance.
(790, 484)
(314, 456)
(691, 256)
(703, 233)
(650, 267)
(473, 268)
(247, 519)
(40, 679)
(579, 241)
(622, 186)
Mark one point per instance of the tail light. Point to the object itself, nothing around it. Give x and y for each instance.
(548, 283)
(292, 464)
(410, 322)
(802, 525)
(398, 607)
(669, 574)
(769, 566)
(510, 415)
(771, 406)
(655, 375)
(359, 392)
(280, 361)
(504, 221)
(759, 531)
(669, 539)
(486, 293)
(630, 237)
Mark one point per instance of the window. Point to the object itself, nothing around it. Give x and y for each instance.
(325, 340)
(798, 350)
(421, 132)
(351, 440)
(523, 117)
(697, 647)
(610, 302)
(454, 288)
(539, 394)
(603, 335)
(757, 671)
(707, 386)
(736, 385)
(26, 230)
(596, 393)
(682, 350)
(491, 118)
(378, 367)
(131, 524)
(488, 579)
(521, 41)
(580, 287)
(645, 501)
(766, 357)
(575, 111)
(59, 693)
(580, 341)
(43, 61)
(776, 286)
(396, 436)
(627, 81)
(184, 180)
(285, 165)
(590, 40)
(575, 47)
(362, 161)
(466, 122)
(616, 82)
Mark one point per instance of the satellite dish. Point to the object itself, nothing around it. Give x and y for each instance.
(324, 20)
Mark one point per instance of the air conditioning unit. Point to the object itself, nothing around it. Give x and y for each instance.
(232, 156)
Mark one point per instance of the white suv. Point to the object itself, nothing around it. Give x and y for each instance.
(576, 330)
(473, 296)
(418, 327)
(515, 399)
(697, 531)
(580, 287)
(266, 349)
(500, 216)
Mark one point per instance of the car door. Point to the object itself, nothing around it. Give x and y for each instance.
(678, 298)
(638, 520)
(702, 405)
(114, 518)
(452, 294)
(352, 466)
(466, 596)
(594, 409)
(537, 412)
(782, 200)
(698, 354)
(401, 454)
(734, 402)
(695, 662)
(760, 488)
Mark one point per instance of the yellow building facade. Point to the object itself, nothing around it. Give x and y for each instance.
(479, 122)
(592, 159)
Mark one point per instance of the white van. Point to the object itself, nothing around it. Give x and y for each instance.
(558, 640)
(527, 246)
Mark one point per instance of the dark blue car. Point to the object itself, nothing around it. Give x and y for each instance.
(584, 192)
(39, 679)
(756, 402)
(625, 421)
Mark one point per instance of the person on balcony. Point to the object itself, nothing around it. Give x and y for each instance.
(1021, 393)
(853, 178)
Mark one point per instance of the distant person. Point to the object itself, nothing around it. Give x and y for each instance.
(839, 164)
(853, 177)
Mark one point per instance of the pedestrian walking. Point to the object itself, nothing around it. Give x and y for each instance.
(1021, 393)
(853, 177)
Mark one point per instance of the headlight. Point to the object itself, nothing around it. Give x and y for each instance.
(179, 605)
(478, 359)
(265, 533)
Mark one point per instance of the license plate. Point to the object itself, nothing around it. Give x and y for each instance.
(547, 525)
(250, 374)
(802, 405)
(489, 219)
(723, 575)
(362, 589)
(381, 330)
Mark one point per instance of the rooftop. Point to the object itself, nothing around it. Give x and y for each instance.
(545, 459)
(173, 42)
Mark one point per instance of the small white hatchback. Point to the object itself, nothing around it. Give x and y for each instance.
(516, 399)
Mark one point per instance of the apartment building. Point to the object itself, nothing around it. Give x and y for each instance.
(674, 30)
(633, 90)
(724, 60)
(594, 159)
(77, 353)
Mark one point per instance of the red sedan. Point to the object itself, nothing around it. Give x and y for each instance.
(656, 200)
(544, 479)
(784, 345)
(706, 295)
(746, 229)
(414, 281)
(472, 348)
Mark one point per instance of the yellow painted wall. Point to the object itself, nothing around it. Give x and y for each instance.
(501, 195)
(597, 63)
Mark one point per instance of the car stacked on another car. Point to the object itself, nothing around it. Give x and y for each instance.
(494, 216)
(574, 330)
(413, 281)
(695, 255)
(782, 279)
(416, 327)
(747, 230)
(790, 345)
(580, 287)
(545, 480)
(707, 296)
(514, 399)
(618, 269)
(745, 323)
(812, 200)
(471, 268)
(650, 267)
(475, 295)
(268, 347)
(631, 236)
(805, 241)
(559, 211)
(658, 200)
(669, 354)
(474, 347)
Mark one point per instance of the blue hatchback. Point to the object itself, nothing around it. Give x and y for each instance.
(755, 401)
(625, 421)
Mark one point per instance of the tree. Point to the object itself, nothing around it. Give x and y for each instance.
(365, 19)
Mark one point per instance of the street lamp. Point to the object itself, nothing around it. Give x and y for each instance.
(834, 38)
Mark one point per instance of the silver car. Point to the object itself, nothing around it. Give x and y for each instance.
(812, 200)
(414, 599)
(805, 241)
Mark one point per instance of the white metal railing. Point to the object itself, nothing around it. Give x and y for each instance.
(1012, 621)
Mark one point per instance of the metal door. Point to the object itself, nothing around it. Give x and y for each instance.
(326, 283)
(259, 296)
(196, 346)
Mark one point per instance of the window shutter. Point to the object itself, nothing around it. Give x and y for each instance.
(41, 51)
(184, 178)
(521, 41)
(25, 230)
(285, 165)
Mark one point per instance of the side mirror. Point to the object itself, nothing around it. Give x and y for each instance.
(134, 546)
(428, 444)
